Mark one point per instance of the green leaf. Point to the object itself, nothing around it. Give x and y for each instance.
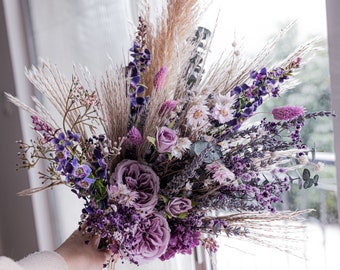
(306, 174)
(308, 183)
(165, 199)
(152, 140)
(100, 190)
(198, 147)
(316, 179)
(182, 215)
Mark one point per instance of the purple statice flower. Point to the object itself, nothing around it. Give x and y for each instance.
(184, 237)
(159, 79)
(287, 112)
(117, 227)
(140, 178)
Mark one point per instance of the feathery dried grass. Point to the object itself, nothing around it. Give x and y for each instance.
(115, 103)
(54, 86)
(284, 230)
(169, 40)
(170, 46)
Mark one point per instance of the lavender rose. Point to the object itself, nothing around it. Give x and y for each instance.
(178, 206)
(166, 139)
(140, 178)
(151, 238)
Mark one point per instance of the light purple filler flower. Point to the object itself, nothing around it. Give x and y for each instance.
(178, 206)
(166, 139)
(140, 178)
(151, 238)
(287, 112)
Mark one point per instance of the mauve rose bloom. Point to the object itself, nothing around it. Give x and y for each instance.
(151, 238)
(135, 137)
(140, 178)
(178, 206)
(166, 139)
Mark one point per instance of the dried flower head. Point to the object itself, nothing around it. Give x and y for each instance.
(287, 112)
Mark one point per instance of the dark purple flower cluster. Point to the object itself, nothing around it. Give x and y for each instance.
(141, 60)
(75, 171)
(185, 235)
(292, 128)
(250, 97)
(97, 152)
(116, 227)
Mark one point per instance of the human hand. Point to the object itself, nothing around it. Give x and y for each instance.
(79, 255)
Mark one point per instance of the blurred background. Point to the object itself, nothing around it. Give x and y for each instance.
(90, 33)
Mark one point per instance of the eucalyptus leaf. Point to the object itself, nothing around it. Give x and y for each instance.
(210, 156)
(182, 215)
(198, 147)
(316, 179)
(308, 183)
(306, 174)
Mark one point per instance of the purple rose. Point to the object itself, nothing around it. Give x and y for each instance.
(178, 206)
(151, 238)
(166, 139)
(140, 178)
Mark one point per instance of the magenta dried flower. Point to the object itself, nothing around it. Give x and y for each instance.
(135, 137)
(287, 112)
(167, 106)
(159, 79)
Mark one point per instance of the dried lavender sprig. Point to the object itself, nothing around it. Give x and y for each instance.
(314, 115)
(189, 172)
